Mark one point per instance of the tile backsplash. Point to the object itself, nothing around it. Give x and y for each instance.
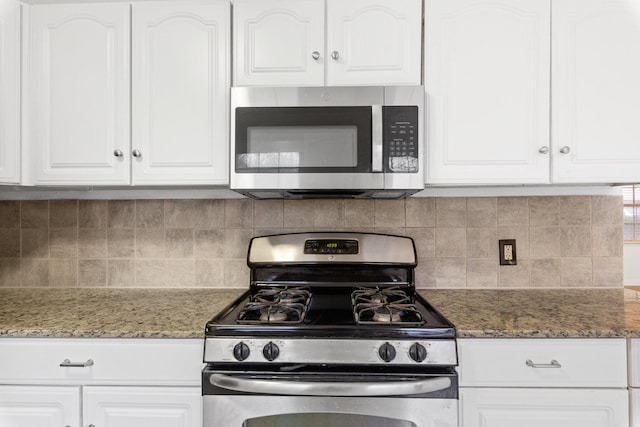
(561, 241)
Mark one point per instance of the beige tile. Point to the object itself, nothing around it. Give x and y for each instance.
(92, 213)
(359, 213)
(179, 243)
(576, 272)
(63, 242)
(451, 212)
(34, 214)
(482, 273)
(208, 243)
(575, 210)
(328, 214)
(298, 214)
(180, 273)
(521, 236)
(121, 273)
(420, 212)
(608, 241)
(482, 242)
(194, 213)
(451, 272)
(543, 211)
(209, 273)
(92, 242)
(150, 243)
(63, 213)
(9, 214)
(451, 242)
(544, 242)
(92, 272)
(426, 273)
(390, 230)
(425, 241)
(149, 213)
(9, 243)
(608, 272)
(513, 211)
(10, 272)
(236, 273)
(515, 276)
(35, 243)
(238, 213)
(63, 273)
(482, 212)
(210, 213)
(606, 210)
(268, 231)
(151, 273)
(236, 242)
(34, 272)
(121, 213)
(546, 273)
(268, 213)
(575, 241)
(389, 213)
(121, 243)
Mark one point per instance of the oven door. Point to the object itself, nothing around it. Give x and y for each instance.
(309, 400)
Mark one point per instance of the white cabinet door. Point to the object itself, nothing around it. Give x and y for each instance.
(80, 93)
(278, 43)
(32, 406)
(373, 42)
(492, 407)
(596, 90)
(180, 86)
(142, 406)
(486, 74)
(9, 91)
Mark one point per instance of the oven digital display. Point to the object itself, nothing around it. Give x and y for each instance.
(325, 246)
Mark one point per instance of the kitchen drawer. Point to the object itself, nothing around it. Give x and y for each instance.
(503, 362)
(115, 361)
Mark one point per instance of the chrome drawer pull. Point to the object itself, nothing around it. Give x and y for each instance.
(66, 363)
(554, 364)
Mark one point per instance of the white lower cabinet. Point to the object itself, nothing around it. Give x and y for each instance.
(105, 383)
(543, 382)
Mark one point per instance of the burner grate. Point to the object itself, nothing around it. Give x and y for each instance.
(384, 306)
(274, 305)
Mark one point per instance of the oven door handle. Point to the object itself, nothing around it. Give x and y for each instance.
(312, 388)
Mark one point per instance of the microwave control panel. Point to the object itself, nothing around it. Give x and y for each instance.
(400, 138)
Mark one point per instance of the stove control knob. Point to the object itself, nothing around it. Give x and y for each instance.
(387, 352)
(241, 351)
(271, 351)
(417, 352)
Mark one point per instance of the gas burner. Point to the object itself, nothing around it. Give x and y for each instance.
(380, 296)
(271, 313)
(284, 295)
(389, 313)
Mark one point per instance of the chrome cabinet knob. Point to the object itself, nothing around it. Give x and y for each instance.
(315, 55)
(136, 153)
(544, 149)
(117, 152)
(335, 55)
(565, 150)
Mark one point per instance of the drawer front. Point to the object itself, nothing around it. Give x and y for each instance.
(530, 362)
(113, 361)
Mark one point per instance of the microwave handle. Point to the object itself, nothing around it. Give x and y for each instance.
(376, 138)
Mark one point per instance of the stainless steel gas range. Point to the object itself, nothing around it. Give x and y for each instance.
(330, 332)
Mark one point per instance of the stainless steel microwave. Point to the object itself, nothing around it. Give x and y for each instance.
(293, 142)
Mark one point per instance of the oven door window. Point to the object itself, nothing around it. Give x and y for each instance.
(303, 139)
(323, 420)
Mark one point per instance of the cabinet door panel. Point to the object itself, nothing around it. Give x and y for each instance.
(596, 90)
(9, 91)
(39, 406)
(180, 81)
(80, 88)
(487, 82)
(377, 42)
(142, 406)
(274, 43)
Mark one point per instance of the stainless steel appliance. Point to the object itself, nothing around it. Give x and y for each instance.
(327, 141)
(330, 332)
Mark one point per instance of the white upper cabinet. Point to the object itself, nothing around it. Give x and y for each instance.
(80, 93)
(487, 82)
(180, 92)
(368, 42)
(9, 91)
(596, 90)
